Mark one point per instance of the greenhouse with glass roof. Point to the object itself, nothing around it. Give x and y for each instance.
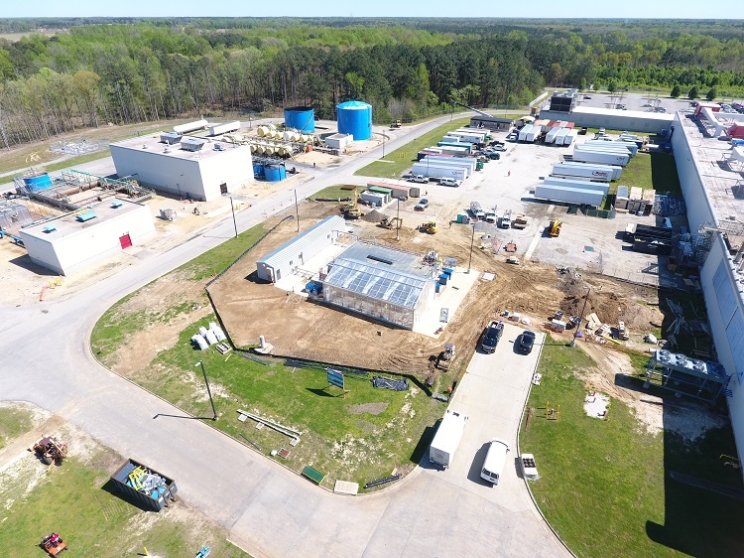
(381, 283)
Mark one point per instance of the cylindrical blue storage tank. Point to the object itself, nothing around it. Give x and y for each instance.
(38, 182)
(355, 118)
(258, 170)
(275, 173)
(300, 118)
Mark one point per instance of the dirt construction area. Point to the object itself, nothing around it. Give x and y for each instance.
(299, 328)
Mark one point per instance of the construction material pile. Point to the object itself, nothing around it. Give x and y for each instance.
(146, 481)
(387, 383)
(207, 337)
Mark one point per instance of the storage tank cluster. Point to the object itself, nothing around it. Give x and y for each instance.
(300, 118)
(270, 172)
(355, 118)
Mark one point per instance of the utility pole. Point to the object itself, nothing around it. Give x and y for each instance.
(578, 325)
(397, 224)
(232, 207)
(470, 259)
(209, 391)
(383, 144)
(297, 211)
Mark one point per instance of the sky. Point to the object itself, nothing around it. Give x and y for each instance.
(663, 9)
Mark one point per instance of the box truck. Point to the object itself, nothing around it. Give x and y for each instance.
(601, 157)
(447, 438)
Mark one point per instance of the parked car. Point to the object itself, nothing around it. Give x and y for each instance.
(419, 178)
(512, 137)
(421, 205)
(587, 97)
(583, 131)
(498, 148)
(491, 336)
(526, 342)
(449, 182)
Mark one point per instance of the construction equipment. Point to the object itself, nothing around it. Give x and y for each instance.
(430, 227)
(53, 544)
(351, 210)
(445, 358)
(513, 260)
(555, 228)
(391, 222)
(49, 450)
(505, 220)
(519, 222)
(395, 124)
(203, 553)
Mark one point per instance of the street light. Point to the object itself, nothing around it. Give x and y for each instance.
(209, 391)
(578, 325)
(470, 259)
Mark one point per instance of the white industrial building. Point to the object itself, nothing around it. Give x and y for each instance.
(381, 283)
(184, 166)
(76, 240)
(613, 119)
(294, 254)
(709, 173)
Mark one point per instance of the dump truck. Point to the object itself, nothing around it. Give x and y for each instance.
(555, 228)
(519, 222)
(145, 486)
(447, 438)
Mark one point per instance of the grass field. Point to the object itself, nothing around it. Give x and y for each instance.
(13, 423)
(605, 486)
(403, 157)
(362, 436)
(71, 500)
(331, 193)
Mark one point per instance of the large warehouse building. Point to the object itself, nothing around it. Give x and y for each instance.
(184, 166)
(381, 283)
(76, 240)
(710, 173)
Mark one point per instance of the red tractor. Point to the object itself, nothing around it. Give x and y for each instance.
(50, 450)
(53, 544)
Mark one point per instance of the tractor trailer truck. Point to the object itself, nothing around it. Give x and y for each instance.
(447, 438)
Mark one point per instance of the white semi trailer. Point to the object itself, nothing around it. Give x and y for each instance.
(438, 172)
(601, 157)
(588, 172)
(615, 170)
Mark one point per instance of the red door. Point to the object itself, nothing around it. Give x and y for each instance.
(125, 241)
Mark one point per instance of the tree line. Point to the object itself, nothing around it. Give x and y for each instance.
(133, 71)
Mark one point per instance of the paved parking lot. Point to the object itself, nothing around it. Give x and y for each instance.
(633, 101)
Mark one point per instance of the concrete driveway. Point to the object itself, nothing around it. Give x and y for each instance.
(266, 509)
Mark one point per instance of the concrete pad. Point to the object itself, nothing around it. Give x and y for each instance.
(346, 487)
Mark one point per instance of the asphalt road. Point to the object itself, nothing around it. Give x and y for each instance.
(46, 360)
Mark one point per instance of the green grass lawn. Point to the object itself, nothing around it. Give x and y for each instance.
(331, 193)
(605, 486)
(361, 436)
(403, 157)
(70, 500)
(13, 423)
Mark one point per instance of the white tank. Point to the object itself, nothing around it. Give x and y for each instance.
(190, 127)
(262, 130)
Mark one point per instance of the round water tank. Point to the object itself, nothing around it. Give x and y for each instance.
(275, 173)
(300, 118)
(262, 130)
(258, 171)
(37, 182)
(355, 118)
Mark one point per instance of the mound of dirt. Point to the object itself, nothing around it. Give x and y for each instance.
(373, 216)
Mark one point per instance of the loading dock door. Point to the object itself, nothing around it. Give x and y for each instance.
(125, 241)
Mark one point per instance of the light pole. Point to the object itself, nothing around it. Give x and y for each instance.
(470, 259)
(383, 143)
(397, 223)
(209, 391)
(578, 325)
(232, 207)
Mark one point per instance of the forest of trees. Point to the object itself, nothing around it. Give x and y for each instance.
(129, 70)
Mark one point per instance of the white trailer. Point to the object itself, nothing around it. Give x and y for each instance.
(447, 438)
(438, 172)
(470, 138)
(616, 171)
(527, 129)
(190, 127)
(467, 162)
(560, 136)
(570, 137)
(550, 136)
(630, 147)
(533, 133)
(578, 183)
(601, 157)
(567, 194)
(483, 132)
(588, 172)
(447, 164)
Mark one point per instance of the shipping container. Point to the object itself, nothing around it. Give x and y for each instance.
(592, 173)
(600, 157)
(459, 144)
(226, 128)
(145, 486)
(397, 191)
(438, 172)
(569, 195)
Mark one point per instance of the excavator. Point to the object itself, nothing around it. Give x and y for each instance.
(555, 228)
(391, 222)
(430, 227)
(351, 210)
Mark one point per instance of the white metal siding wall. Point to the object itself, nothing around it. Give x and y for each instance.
(173, 175)
(77, 251)
(614, 122)
(41, 251)
(233, 167)
(726, 328)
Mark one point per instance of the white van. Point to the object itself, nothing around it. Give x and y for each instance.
(495, 460)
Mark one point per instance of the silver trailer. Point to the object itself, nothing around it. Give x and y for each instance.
(466, 162)
(578, 183)
(567, 194)
(438, 172)
(550, 136)
(569, 138)
(630, 147)
(524, 132)
(616, 171)
(600, 157)
(588, 172)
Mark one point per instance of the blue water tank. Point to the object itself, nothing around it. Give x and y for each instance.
(355, 118)
(275, 173)
(300, 118)
(258, 170)
(37, 182)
